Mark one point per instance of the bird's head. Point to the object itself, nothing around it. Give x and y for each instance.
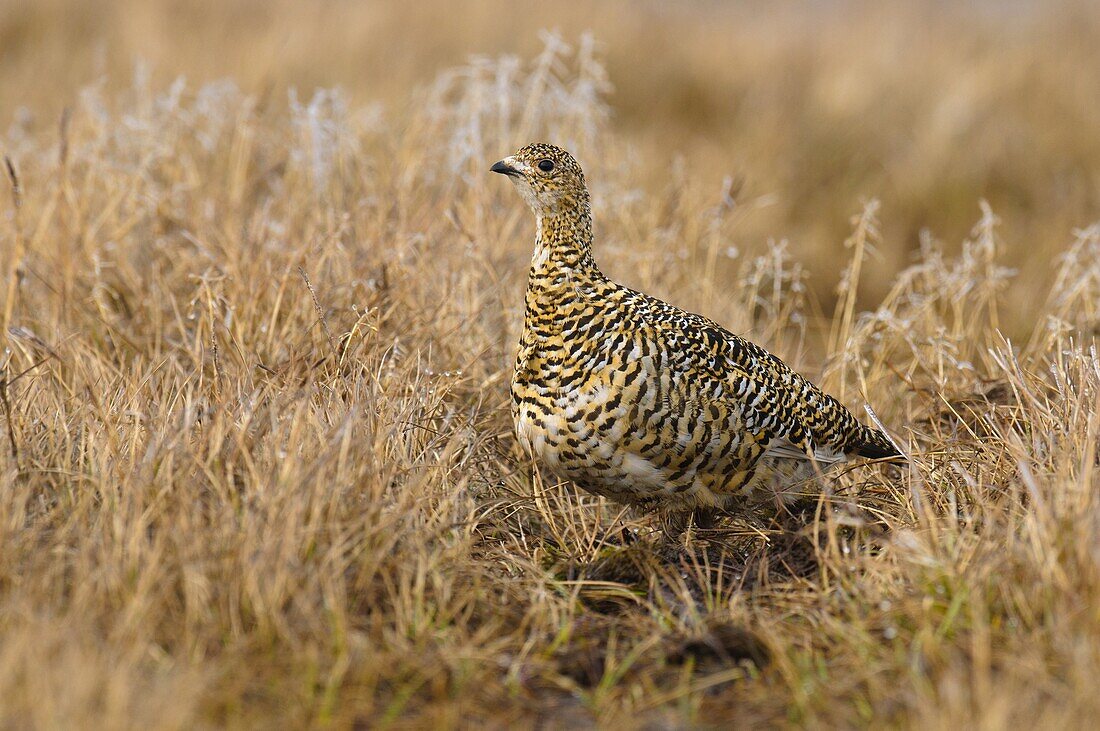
(547, 177)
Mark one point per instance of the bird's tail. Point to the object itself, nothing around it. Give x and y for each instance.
(876, 445)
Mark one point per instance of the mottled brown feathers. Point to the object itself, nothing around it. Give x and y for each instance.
(642, 402)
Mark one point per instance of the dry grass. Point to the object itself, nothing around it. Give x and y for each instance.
(256, 461)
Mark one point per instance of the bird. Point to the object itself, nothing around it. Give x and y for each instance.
(639, 401)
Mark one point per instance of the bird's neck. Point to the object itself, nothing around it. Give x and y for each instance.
(563, 247)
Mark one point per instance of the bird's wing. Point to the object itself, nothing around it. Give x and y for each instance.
(794, 417)
(800, 416)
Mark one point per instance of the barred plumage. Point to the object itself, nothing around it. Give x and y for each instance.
(637, 400)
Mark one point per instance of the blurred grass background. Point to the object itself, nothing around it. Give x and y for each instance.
(812, 107)
(256, 466)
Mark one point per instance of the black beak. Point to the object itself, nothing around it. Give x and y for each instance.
(502, 168)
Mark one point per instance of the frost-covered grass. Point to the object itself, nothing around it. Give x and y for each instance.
(256, 466)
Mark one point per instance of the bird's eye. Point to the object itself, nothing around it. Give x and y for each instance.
(546, 165)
